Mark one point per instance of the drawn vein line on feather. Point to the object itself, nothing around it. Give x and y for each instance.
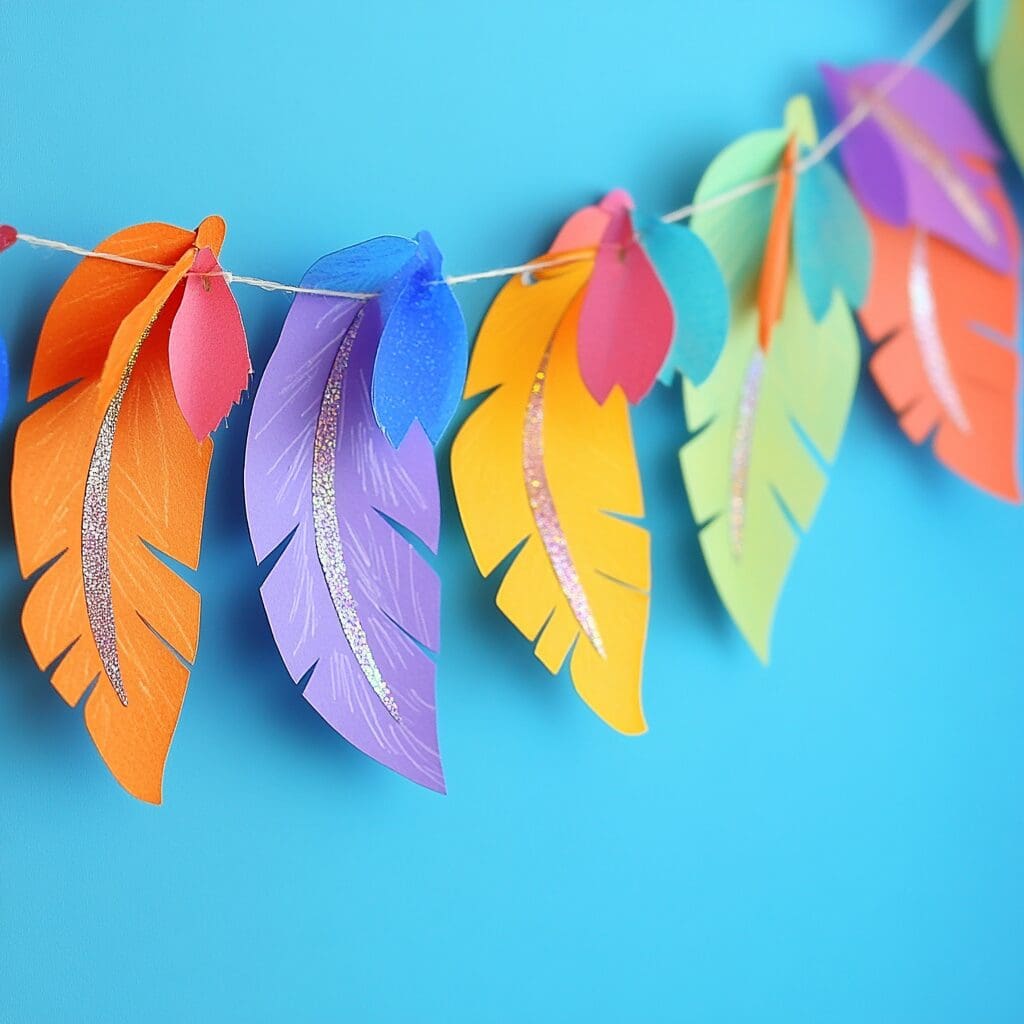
(99, 602)
(742, 446)
(925, 152)
(542, 505)
(928, 335)
(326, 527)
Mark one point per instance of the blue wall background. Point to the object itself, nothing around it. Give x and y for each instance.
(837, 838)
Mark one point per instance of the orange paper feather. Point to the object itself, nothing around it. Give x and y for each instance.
(103, 472)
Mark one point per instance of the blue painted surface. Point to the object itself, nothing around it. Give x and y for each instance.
(837, 838)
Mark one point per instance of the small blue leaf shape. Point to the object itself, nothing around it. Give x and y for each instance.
(420, 369)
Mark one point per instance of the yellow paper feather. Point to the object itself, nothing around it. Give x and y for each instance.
(580, 578)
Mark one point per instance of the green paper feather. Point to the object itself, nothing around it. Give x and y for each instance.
(771, 421)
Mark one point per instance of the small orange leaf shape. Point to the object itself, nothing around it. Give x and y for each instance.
(947, 360)
(771, 292)
(103, 470)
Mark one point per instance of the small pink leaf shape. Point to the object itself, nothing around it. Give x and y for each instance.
(8, 236)
(208, 355)
(626, 322)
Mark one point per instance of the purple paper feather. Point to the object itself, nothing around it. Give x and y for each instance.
(392, 596)
(891, 158)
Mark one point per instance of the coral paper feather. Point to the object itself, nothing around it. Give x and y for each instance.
(351, 603)
(947, 362)
(105, 608)
(543, 472)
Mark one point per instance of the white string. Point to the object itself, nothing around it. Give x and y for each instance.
(576, 256)
(946, 19)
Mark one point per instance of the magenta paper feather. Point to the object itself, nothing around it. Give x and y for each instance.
(350, 600)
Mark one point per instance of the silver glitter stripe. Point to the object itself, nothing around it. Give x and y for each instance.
(742, 444)
(99, 604)
(327, 529)
(929, 337)
(545, 514)
(925, 152)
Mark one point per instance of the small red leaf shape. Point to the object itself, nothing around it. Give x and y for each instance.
(8, 236)
(209, 357)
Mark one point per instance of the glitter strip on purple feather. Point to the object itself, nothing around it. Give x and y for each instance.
(327, 529)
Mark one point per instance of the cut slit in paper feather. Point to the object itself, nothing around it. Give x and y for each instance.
(209, 356)
(104, 471)
(351, 603)
(544, 471)
(1001, 45)
(775, 407)
(915, 159)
